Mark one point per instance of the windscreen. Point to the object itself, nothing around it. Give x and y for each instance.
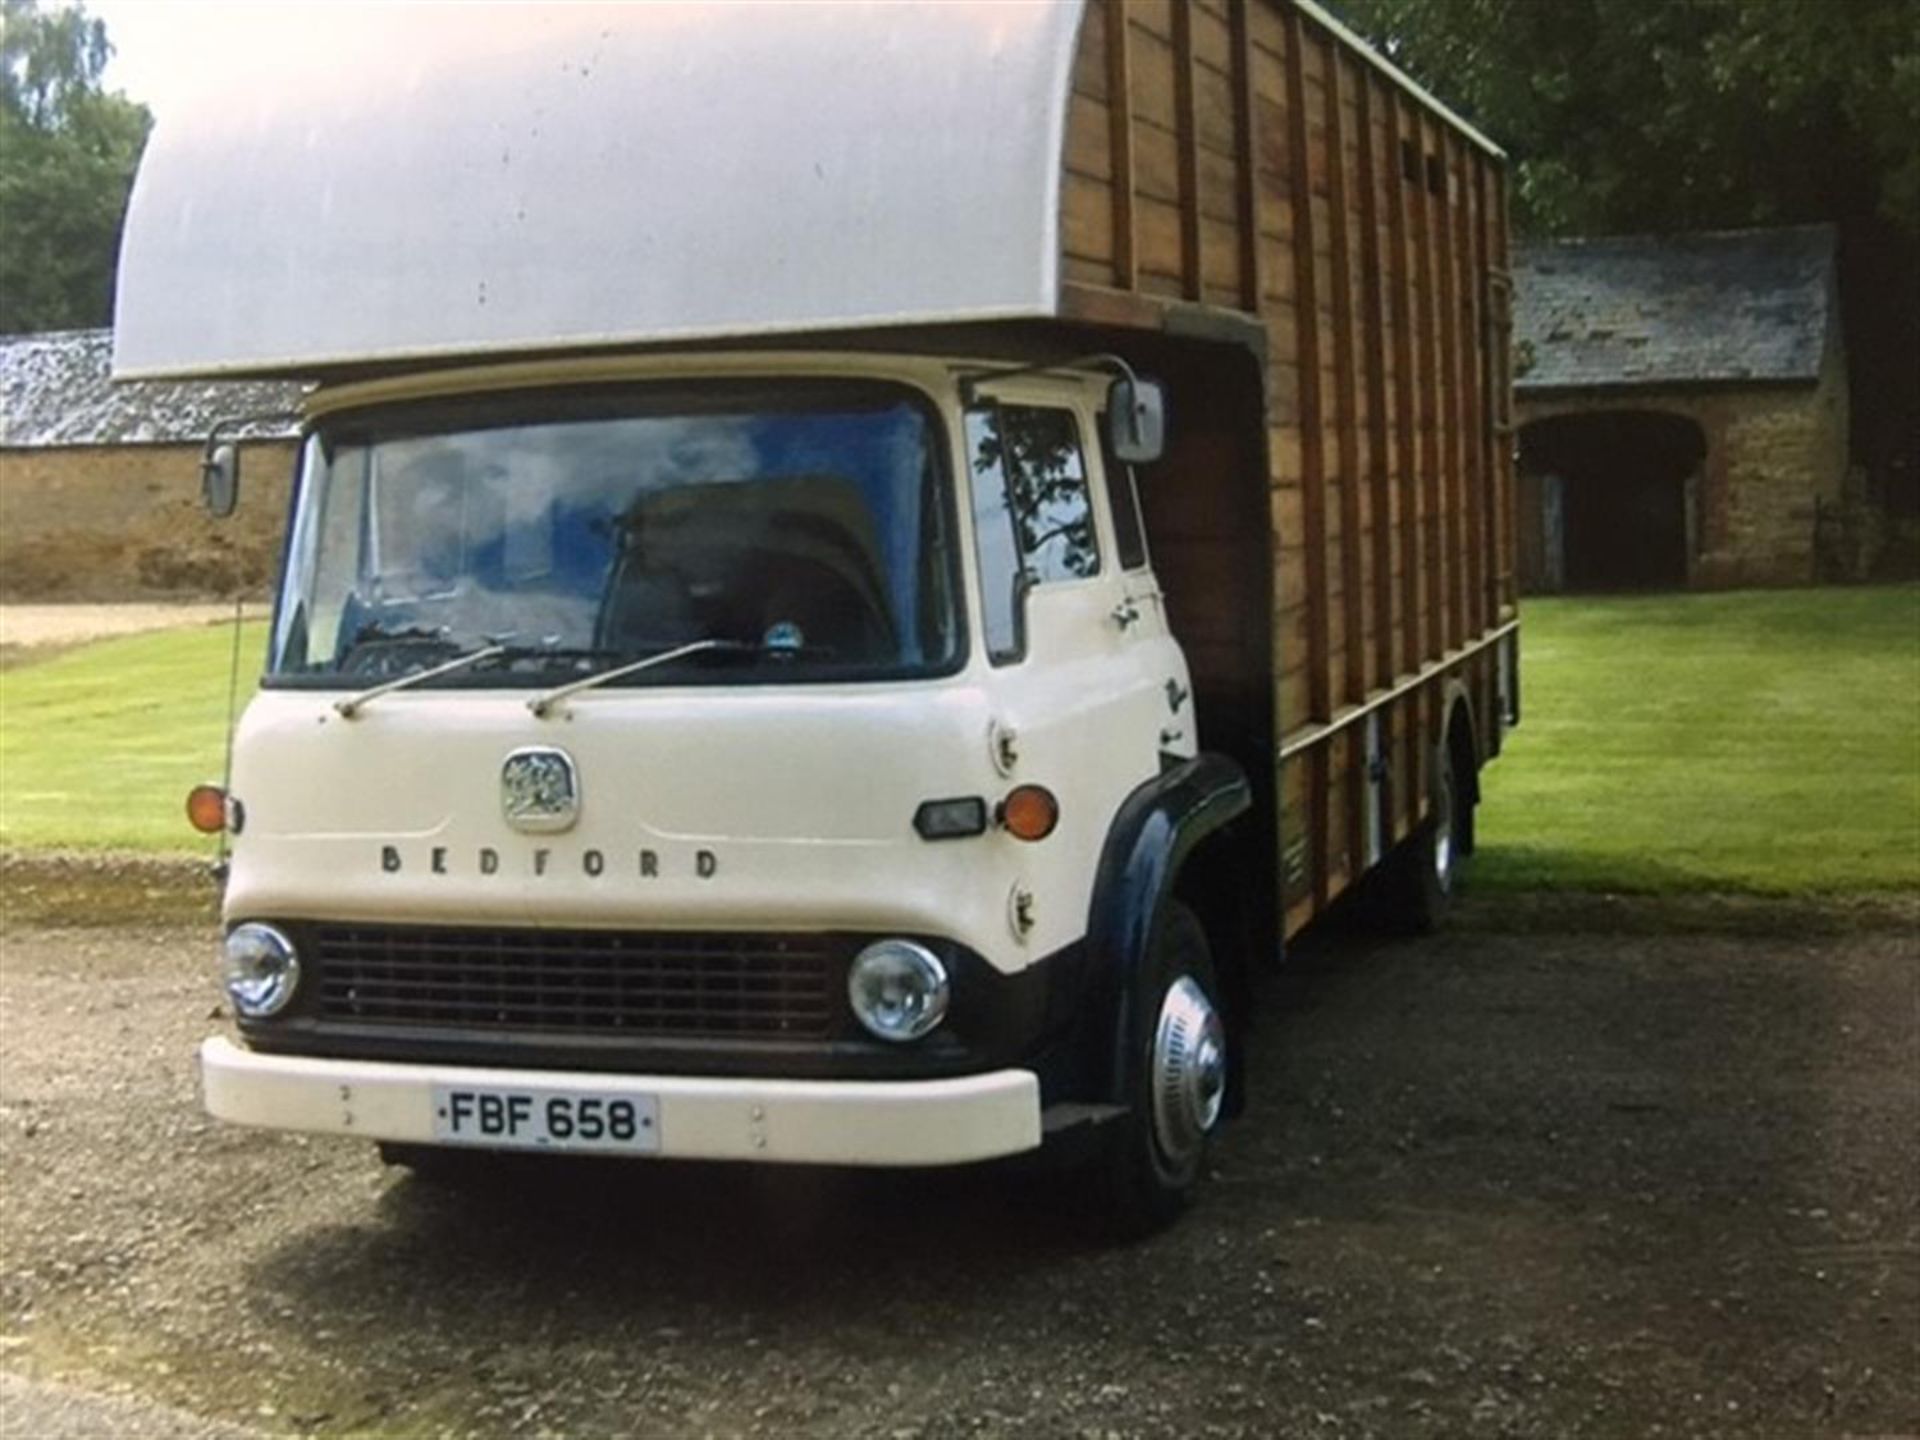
(804, 529)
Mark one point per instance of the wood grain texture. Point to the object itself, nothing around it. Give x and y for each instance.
(1237, 155)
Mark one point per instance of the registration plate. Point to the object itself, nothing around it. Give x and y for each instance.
(539, 1119)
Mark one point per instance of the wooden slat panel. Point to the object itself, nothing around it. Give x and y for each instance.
(1153, 70)
(1213, 42)
(1090, 74)
(1213, 108)
(1247, 170)
(1310, 418)
(1077, 270)
(1374, 345)
(1498, 443)
(1086, 219)
(1306, 282)
(1446, 260)
(1472, 387)
(1345, 413)
(1427, 352)
(1191, 262)
(1503, 390)
(1089, 146)
(1406, 420)
(1156, 17)
(1352, 615)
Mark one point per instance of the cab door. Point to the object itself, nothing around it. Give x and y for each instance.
(1086, 686)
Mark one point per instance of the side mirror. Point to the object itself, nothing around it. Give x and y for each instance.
(1136, 421)
(220, 478)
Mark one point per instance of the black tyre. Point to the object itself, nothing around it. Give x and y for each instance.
(1145, 1175)
(1419, 878)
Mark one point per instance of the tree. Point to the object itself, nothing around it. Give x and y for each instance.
(1666, 115)
(1679, 114)
(67, 156)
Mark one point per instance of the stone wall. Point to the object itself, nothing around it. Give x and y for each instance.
(125, 523)
(1775, 454)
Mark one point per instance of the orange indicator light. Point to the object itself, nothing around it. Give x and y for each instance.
(1029, 812)
(207, 809)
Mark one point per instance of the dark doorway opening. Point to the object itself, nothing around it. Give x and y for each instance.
(1616, 498)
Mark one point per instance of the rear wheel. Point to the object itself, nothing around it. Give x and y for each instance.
(1424, 872)
(1178, 1085)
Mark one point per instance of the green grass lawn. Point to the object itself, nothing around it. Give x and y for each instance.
(99, 745)
(1761, 741)
(1756, 741)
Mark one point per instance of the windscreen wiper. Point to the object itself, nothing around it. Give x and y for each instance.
(542, 704)
(353, 704)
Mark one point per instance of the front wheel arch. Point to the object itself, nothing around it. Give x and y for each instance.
(1155, 832)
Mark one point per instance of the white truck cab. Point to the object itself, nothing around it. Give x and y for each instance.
(703, 757)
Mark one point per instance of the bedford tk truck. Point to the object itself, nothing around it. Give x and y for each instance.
(855, 570)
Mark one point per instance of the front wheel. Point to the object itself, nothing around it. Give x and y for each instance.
(1177, 1086)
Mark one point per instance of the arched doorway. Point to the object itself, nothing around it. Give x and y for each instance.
(1615, 494)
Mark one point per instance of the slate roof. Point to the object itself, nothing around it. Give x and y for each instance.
(1711, 307)
(55, 390)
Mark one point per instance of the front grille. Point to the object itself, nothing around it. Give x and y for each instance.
(588, 982)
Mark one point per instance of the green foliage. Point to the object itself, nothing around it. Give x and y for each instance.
(67, 157)
(1660, 115)
(1758, 741)
(1035, 452)
(99, 746)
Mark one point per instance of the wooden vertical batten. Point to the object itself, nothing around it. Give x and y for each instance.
(1120, 141)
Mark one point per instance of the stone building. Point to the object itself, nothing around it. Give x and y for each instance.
(100, 482)
(1683, 410)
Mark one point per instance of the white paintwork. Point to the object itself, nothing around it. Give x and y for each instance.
(826, 1122)
(535, 177)
(804, 794)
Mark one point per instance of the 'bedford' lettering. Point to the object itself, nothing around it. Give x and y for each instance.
(487, 860)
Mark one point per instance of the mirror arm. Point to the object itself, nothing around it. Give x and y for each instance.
(234, 422)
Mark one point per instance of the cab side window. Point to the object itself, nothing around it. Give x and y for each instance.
(1032, 515)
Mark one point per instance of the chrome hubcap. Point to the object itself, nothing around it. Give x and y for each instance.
(1189, 1070)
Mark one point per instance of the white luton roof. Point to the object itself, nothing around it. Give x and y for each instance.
(458, 181)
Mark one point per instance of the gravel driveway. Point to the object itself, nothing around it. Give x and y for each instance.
(1575, 1182)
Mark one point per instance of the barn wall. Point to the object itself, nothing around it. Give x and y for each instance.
(1774, 453)
(125, 522)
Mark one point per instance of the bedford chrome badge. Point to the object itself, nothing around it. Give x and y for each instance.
(540, 790)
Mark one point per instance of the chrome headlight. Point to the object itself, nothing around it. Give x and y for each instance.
(898, 989)
(262, 970)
